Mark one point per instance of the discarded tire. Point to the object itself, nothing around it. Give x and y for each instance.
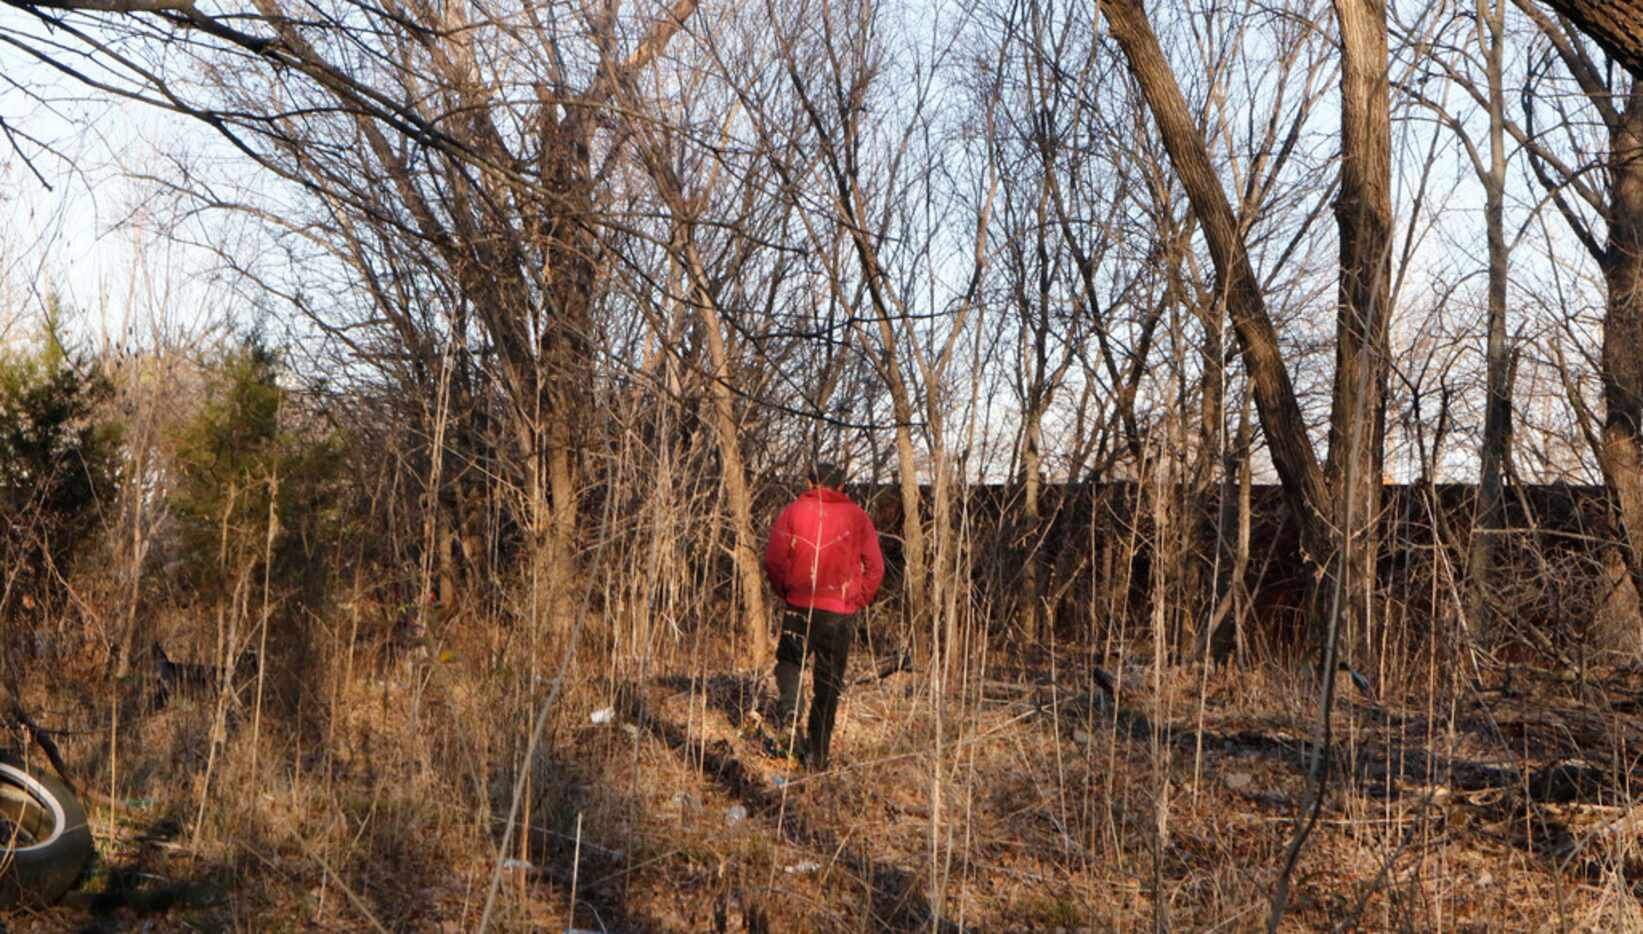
(44, 840)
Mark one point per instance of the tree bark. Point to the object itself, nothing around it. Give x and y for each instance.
(1034, 616)
(749, 567)
(1616, 25)
(1279, 412)
(1498, 410)
(1622, 360)
(1357, 424)
(1620, 449)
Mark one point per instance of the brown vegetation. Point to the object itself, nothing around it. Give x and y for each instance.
(1025, 790)
(447, 614)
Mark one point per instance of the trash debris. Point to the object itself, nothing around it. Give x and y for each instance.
(603, 715)
(511, 864)
(1361, 683)
(1238, 781)
(684, 802)
(735, 815)
(631, 730)
(802, 869)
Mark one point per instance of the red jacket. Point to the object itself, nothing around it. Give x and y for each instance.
(824, 554)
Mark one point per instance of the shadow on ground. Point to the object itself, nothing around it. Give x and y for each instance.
(897, 902)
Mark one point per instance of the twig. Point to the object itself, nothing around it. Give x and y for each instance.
(42, 738)
(524, 774)
(1351, 921)
(575, 868)
(353, 897)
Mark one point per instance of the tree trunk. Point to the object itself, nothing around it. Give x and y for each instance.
(1498, 411)
(1622, 359)
(1279, 412)
(915, 565)
(1616, 25)
(1357, 424)
(1207, 523)
(1033, 613)
(749, 563)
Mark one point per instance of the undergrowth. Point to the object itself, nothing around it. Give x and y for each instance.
(992, 796)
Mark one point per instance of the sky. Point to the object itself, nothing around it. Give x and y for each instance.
(72, 221)
(79, 227)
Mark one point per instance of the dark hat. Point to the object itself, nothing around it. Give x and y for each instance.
(823, 473)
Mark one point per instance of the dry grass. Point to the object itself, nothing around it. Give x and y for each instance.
(1047, 807)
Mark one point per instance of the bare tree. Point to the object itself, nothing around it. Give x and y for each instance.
(1041, 113)
(1363, 212)
(714, 277)
(1475, 62)
(1600, 209)
(472, 140)
(1274, 393)
(872, 212)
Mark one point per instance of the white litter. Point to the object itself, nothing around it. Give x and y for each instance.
(802, 869)
(603, 715)
(517, 864)
(735, 815)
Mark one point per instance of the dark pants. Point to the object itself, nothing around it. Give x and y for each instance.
(827, 636)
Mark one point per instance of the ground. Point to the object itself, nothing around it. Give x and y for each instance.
(1020, 797)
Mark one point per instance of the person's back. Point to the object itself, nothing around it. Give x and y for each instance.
(824, 554)
(824, 560)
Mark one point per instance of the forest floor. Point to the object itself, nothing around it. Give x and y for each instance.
(1022, 799)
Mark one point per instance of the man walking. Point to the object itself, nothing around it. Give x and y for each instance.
(824, 561)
